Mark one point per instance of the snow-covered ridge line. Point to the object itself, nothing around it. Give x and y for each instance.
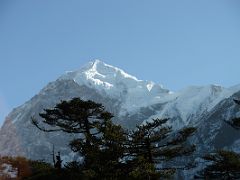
(116, 83)
(101, 73)
(132, 102)
(135, 93)
(93, 66)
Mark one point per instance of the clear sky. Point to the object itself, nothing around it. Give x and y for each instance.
(173, 42)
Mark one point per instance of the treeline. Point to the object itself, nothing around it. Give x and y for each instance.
(111, 152)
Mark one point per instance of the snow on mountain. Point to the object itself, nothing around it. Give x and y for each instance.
(194, 100)
(116, 83)
(132, 102)
(135, 93)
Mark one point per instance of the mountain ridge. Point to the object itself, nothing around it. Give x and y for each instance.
(130, 100)
(135, 94)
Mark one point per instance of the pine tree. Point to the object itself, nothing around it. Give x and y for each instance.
(76, 116)
(109, 151)
(100, 141)
(222, 165)
(154, 143)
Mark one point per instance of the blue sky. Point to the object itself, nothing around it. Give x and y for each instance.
(175, 43)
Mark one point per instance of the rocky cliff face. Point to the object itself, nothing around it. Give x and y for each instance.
(132, 101)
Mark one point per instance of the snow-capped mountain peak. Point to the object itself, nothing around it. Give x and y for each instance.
(107, 75)
(132, 102)
(99, 74)
(135, 93)
(99, 71)
(117, 84)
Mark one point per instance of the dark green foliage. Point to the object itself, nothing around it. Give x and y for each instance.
(101, 142)
(222, 165)
(77, 116)
(109, 151)
(153, 143)
(142, 169)
(74, 116)
(41, 170)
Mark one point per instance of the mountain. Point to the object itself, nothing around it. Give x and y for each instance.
(115, 83)
(132, 101)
